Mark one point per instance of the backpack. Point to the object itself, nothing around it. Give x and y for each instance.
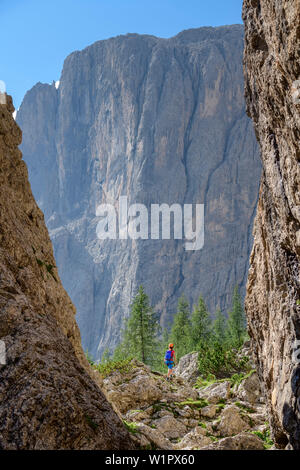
(169, 354)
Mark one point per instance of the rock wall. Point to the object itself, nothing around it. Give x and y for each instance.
(48, 399)
(272, 71)
(161, 121)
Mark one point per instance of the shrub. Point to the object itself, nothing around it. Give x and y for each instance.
(264, 436)
(132, 427)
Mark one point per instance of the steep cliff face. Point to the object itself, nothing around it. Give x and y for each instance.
(48, 399)
(272, 69)
(158, 121)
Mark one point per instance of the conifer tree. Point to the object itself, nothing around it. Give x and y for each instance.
(236, 325)
(105, 358)
(140, 336)
(219, 328)
(180, 332)
(200, 324)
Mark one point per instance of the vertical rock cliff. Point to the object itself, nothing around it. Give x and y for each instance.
(159, 121)
(272, 71)
(48, 399)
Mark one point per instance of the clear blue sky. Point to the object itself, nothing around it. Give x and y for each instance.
(37, 35)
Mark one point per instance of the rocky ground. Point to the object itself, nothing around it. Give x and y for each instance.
(176, 415)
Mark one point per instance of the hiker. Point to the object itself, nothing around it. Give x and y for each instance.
(170, 360)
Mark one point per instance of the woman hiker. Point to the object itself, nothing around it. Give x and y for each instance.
(170, 360)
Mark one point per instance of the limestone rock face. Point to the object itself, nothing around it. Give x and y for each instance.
(159, 121)
(272, 71)
(47, 397)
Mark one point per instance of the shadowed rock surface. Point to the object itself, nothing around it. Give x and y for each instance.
(161, 121)
(48, 399)
(272, 71)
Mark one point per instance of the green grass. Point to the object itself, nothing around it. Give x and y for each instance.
(202, 425)
(213, 438)
(265, 437)
(161, 406)
(107, 368)
(201, 403)
(49, 267)
(236, 379)
(205, 382)
(222, 401)
(131, 427)
(244, 407)
(221, 407)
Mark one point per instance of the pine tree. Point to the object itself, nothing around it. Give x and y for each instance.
(180, 332)
(200, 324)
(141, 331)
(236, 325)
(164, 341)
(219, 328)
(105, 358)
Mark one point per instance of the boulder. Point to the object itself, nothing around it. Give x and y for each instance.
(137, 416)
(188, 368)
(242, 441)
(134, 394)
(209, 411)
(192, 423)
(195, 439)
(154, 437)
(185, 412)
(216, 392)
(231, 422)
(249, 390)
(170, 427)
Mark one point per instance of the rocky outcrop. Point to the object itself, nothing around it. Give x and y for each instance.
(173, 415)
(48, 399)
(272, 73)
(159, 121)
(188, 367)
(242, 441)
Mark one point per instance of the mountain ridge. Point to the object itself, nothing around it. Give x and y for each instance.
(160, 122)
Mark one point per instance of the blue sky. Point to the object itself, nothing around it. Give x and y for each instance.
(37, 35)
